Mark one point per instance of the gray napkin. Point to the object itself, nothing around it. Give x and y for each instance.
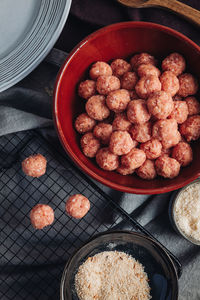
(28, 106)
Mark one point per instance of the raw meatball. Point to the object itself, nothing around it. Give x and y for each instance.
(133, 95)
(188, 85)
(141, 132)
(96, 108)
(169, 82)
(174, 63)
(107, 84)
(123, 170)
(193, 106)
(120, 142)
(145, 70)
(147, 85)
(87, 89)
(77, 206)
(129, 80)
(118, 100)
(182, 153)
(142, 58)
(167, 167)
(100, 68)
(90, 144)
(160, 104)
(190, 129)
(120, 67)
(166, 131)
(137, 111)
(41, 216)
(134, 159)
(103, 131)
(107, 160)
(152, 148)
(34, 165)
(121, 122)
(147, 170)
(180, 112)
(84, 123)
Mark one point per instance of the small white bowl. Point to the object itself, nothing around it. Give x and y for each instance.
(172, 204)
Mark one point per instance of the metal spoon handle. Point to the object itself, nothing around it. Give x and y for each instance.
(182, 9)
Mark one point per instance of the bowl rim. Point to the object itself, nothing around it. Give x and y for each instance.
(74, 157)
(133, 233)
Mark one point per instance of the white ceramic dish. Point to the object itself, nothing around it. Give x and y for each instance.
(28, 31)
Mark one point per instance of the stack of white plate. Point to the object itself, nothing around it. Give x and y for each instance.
(28, 31)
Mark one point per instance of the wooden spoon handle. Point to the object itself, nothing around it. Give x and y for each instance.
(182, 9)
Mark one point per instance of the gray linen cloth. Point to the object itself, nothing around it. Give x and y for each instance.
(28, 105)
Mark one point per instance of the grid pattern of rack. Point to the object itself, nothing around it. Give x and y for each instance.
(32, 260)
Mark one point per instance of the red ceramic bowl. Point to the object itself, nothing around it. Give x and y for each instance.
(114, 41)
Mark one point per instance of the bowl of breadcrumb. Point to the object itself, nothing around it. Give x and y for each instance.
(120, 265)
(126, 107)
(184, 212)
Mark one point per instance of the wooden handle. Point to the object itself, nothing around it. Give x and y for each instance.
(182, 9)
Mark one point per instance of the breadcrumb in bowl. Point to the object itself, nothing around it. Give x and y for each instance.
(150, 255)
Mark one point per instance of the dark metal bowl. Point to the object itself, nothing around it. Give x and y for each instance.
(157, 263)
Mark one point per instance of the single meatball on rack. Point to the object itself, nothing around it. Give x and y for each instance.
(100, 68)
(147, 170)
(147, 85)
(34, 165)
(41, 215)
(96, 108)
(77, 206)
(84, 123)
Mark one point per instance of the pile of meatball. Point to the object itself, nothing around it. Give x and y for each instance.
(140, 118)
(42, 215)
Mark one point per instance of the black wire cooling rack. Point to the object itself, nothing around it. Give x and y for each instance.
(32, 261)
